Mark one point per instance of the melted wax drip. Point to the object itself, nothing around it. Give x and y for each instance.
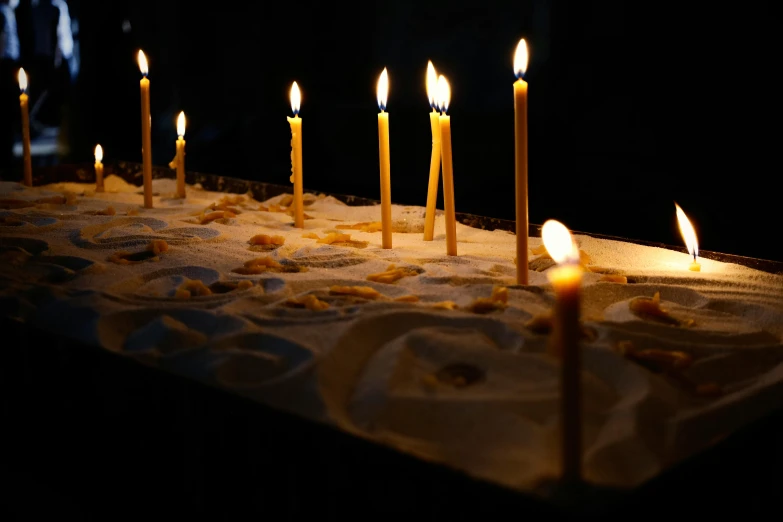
(291, 179)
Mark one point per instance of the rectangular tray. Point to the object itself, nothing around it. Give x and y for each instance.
(146, 439)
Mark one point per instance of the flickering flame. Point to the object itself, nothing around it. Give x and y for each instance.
(559, 243)
(432, 84)
(444, 94)
(688, 233)
(383, 89)
(520, 59)
(296, 98)
(98, 153)
(181, 124)
(143, 67)
(22, 80)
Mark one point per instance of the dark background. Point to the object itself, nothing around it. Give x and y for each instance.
(632, 105)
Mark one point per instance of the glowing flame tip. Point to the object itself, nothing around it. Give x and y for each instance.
(181, 124)
(98, 153)
(521, 59)
(432, 84)
(443, 97)
(296, 98)
(22, 80)
(688, 232)
(383, 89)
(559, 242)
(143, 67)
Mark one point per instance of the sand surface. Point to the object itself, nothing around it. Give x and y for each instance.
(477, 391)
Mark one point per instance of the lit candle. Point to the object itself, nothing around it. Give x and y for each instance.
(383, 149)
(181, 155)
(432, 190)
(98, 168)
(23, 104)
(566, 279)
(296, 156)
(444, 97)
(146, 130)
(520, 149)
(689, 236)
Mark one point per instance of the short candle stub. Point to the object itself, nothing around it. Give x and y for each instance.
(695, 267)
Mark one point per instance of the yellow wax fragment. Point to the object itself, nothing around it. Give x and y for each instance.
(365, 292)
(614, 278)
(264, 239)
(309, 301)
(334, 238)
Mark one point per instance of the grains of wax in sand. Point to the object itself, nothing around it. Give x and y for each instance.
(542, 324)
(152, 253)
(197, 288)
(365, 292)
(392, 274)
(672, 363)
(264, 264)
(308, 301)
(43, 202)
(108, 211)
(264, 239)
(650, 309)
(375, 226)
(497, 301)
(205, 219)
(545, 261)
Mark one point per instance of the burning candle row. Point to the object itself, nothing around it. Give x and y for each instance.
(565, 278)
(439, 95)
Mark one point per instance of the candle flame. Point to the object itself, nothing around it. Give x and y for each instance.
(688, 232)
(559, 242)
(22, 80)
(143, 67)
(432, 84)
(520, 59)
(383, 89)
(296, 98)
(98, 153)
(443, 97)
(181, 124)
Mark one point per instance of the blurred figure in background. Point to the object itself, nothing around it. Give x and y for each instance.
(51, 53)
(9, 63)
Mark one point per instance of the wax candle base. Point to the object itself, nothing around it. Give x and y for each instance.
(695, 267)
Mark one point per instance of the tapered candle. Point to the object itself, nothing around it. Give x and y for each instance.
(146, 130)
(383, 150)
(181, 155)
(520, 133)
(432, 189)
(566, 279)
(444, 97)
(23, 104)
(296, 156)
(99, 168)
(689, 236)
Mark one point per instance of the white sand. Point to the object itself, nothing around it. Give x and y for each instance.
(367, 366)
